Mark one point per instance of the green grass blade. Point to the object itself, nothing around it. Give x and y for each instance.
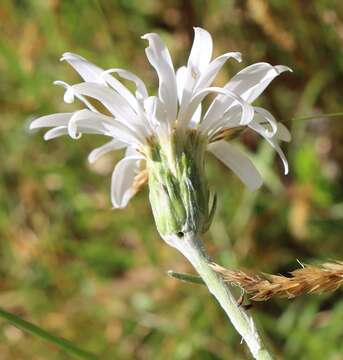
(35, 330)
(311, 117)
(186, 277)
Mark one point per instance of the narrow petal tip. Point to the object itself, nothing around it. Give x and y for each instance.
(201, 30)
(238, 56)
(69, 55)
(47, 136)
(286, 171)
(147, 36)
(282, 68)
(64, 56)
(33, 125)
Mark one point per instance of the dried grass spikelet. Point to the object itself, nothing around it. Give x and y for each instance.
(308, 279)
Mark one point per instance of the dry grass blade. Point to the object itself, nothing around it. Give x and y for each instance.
(308, 279)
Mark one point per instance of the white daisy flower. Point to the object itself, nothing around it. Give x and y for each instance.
(170, 132)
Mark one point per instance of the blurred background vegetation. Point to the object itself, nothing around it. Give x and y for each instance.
(98, 276)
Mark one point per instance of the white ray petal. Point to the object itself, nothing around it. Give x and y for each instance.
(195, 120)
(155, 113)
(250, 82)
(112, 145)
(122, 181)
(273, 141)
(141, 91)
(186, 80)
(95, 74)
(70, 94)
(210, 72)
(239, 163)
(193, 83)
(108, 97)
(159, 57)
(56, 132)
(59, 119)
(267, 117)
(254, 125)
(88, 71)
(275, 145)
(115, 104)
(63, 130)
(283, 133)
(230, 119)
(132, 151)
(102, 124)
(247, 110)
(122, 90)
(149, 105)
(113, 101)
(201, 52)
(181, 78)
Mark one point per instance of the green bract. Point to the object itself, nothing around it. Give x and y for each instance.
(179, 194)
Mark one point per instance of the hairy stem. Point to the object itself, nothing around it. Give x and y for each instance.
(191, 247)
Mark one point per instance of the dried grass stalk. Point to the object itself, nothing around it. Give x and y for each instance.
(308, 279)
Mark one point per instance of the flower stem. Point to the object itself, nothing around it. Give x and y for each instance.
(192, 248)
(35, 330)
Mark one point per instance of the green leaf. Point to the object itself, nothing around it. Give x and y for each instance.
(36, 330)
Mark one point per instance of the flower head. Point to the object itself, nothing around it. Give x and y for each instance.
(170, 131)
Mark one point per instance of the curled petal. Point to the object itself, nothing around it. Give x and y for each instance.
(269, 118)
(122, 181)
(283, 133)
(88, 122)
(83, 121)
(273, 141)
(70, 94)
(275, 145)
(102, 124)
(94, 74)
(63, 130)
(115, 104)
(238, 163)
(264, 123)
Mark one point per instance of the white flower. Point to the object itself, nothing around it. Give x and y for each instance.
(138, 120)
